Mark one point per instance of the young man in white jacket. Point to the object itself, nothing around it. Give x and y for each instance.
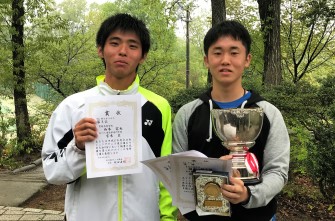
(123, 42)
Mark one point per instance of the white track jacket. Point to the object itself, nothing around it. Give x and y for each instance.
(132, 197)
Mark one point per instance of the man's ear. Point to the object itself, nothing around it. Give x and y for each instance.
(100, 52)
(248, 60)
(143, 58)
(206, 61)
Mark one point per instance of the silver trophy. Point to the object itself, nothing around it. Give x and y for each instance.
(238, 129)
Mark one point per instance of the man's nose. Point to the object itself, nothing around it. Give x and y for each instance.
(123, 50)
(225, 59)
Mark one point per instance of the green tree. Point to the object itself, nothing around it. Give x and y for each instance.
(64, 56)
(17, 20)
(269, 12)
(309, 35)
(23, 129)
(5, 49)
(218, 11)
(198, 28)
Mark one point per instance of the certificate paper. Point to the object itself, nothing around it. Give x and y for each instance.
(118, 148)
(176, 173)
(181, 170)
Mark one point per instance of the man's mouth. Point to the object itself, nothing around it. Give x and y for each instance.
(120, 62)
(225, 70)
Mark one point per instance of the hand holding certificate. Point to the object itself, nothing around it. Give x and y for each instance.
(118, 148)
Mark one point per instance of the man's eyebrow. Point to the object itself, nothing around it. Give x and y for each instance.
(114, 38)
(234, 48)
(133, 41)
(231, 48)
(217, 48)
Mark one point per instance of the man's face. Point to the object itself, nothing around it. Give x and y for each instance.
(226, 61)
(122, 53)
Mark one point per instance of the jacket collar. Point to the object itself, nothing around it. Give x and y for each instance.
(255, 97)
(107, 90)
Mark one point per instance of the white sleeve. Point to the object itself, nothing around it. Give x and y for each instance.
(63, 162)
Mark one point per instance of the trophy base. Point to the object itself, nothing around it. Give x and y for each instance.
(252, 181)
(243, 174)
(240, 170)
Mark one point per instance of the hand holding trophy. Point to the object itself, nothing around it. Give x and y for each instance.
(238, 129)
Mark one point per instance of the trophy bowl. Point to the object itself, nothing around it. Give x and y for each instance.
(238, 128)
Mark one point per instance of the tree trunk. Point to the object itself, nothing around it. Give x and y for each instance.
(218, 15)
(23, 130)
(187, 48)
(218, 11)
(269, 11)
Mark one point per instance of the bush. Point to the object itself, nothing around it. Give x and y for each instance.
(13, 154)
(184, 96)
(321, 153)
(310, 115)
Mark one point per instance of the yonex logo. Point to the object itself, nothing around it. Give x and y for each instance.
(148, 122)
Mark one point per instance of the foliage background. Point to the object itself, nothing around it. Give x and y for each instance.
(61, 59)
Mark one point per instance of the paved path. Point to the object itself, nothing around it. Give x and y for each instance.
(17, 213)
(18, 186)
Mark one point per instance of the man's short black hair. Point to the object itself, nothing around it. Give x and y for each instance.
(124, 23)
(227, 28)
